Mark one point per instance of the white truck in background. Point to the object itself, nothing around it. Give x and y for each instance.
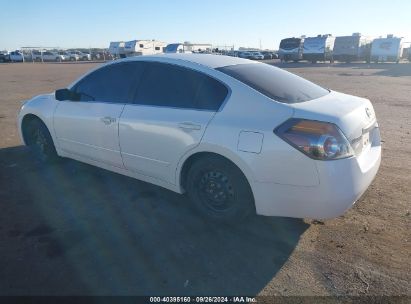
(386, 49)
(319, 48)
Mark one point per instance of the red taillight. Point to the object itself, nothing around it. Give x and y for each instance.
(316, 139)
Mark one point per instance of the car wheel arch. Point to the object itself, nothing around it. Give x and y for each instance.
(190, 159)
(25, 123)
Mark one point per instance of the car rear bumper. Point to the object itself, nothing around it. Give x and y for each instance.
(342, 182)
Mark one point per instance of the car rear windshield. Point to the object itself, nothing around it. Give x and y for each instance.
(275, 83)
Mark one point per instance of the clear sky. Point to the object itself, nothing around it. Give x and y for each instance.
(91, 23)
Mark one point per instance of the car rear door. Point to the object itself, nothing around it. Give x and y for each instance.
(172, 108)
(88, 128)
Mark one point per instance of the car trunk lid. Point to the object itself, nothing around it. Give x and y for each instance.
(353, 115)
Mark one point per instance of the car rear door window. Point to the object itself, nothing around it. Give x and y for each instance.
(115, 83)
(174, 86)
(211, 94)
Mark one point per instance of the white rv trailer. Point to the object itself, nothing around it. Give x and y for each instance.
(291, 49)
(319, 48)
(176, 48)
(143, 47)
(386, 49)
(352, 48)
(116, 48)
(188, 47)
(136, 47)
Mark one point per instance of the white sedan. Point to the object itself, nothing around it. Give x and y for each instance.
(239, 136)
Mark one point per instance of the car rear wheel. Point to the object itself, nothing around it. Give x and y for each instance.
(39, 140)
(219, 190)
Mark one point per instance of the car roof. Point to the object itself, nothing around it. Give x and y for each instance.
(208, 60)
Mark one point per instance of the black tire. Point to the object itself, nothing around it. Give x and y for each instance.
(219, 190)
(39, 140)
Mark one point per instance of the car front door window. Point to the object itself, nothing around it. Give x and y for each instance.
(115, 83)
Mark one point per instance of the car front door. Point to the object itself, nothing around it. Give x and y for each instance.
(172, 108)
(88, 127)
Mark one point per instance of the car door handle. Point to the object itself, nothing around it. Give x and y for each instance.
(189, 126)
(108, 120)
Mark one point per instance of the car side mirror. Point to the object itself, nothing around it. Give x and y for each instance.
(66, 94)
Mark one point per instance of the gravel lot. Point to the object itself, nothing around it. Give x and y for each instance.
(71, 229)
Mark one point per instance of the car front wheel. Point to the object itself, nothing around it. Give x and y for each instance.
(39, 140)
(219, 190)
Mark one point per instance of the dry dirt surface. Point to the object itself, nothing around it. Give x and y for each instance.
(72, 229)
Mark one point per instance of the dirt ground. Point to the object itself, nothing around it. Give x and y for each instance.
(71, 229)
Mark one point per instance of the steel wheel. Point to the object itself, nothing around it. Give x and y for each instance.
(219, 189)
(216, 191)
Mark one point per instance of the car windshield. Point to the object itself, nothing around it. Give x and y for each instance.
(275, 83)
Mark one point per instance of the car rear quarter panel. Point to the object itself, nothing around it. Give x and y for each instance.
(248, 110)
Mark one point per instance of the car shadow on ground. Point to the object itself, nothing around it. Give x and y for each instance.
(70, 228)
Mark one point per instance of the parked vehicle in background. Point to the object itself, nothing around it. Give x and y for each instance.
(178, 121)
(245, 55)
(4, 56)
(267, 55)
(52, 56)
(16, 56)
(232, 53)
(188, 47)
(176, 48)
(386, 49)
(46, 56)
(75, 55)
(35, 55)
(319, 48)
(291, 49)
(352, 48)
(116, 48)
(142, 47)
(65, 55)
(84, 56)
(96, 56)
(256, 56)
(105, 55)
(72, 55)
